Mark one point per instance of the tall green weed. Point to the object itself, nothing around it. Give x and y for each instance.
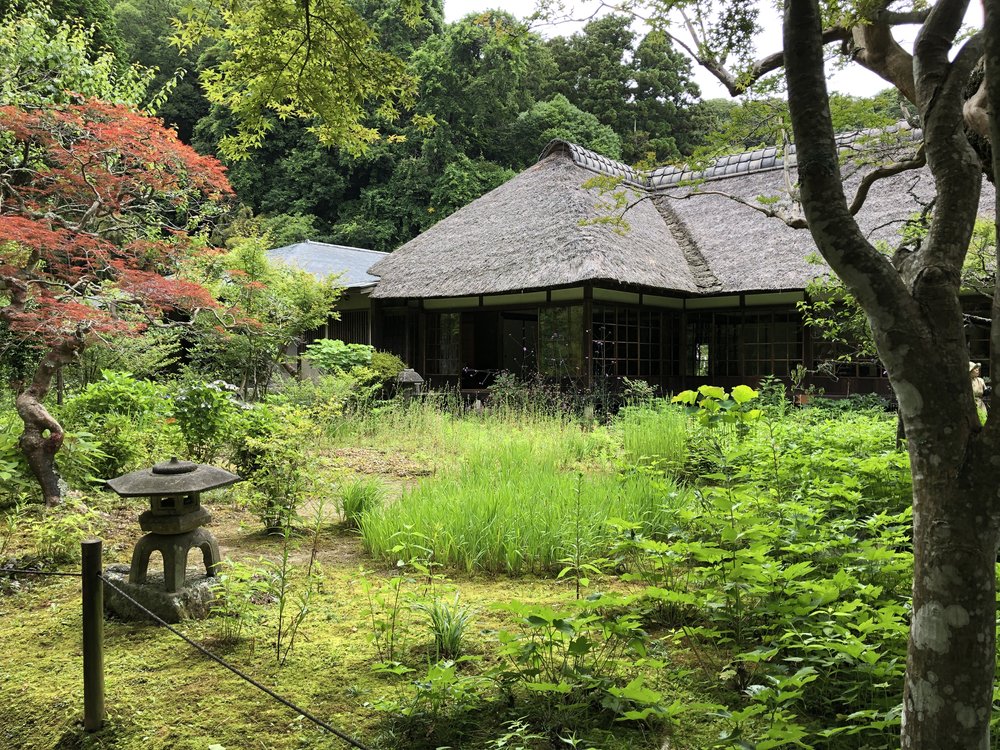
(511, 502)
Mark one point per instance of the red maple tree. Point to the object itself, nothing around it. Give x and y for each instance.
(98, 202)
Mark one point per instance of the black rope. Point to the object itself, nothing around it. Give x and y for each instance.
(237, 672)
(7, 571)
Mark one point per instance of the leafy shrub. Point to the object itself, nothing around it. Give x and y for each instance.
(442, 707)
(637, 392)
(333, 355)
(126, 413)
(241, 590)
(858, 402)
(16, 479)
(57, 532)
(358, 497)
(269, 452)
(205, 412)
(117, 393)
(79, 459)
(10, 523)
(386, 366)
(567, 662)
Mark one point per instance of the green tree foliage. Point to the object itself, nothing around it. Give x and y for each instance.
(270, 308)
(640, 91)
(450, 152)
(43, 59)
(318, 61)
(472, 80)
(288, 229)
(398, 31)
(91, 14)
(147, 27)
(558, 118)
(764, 120)
(292, 172)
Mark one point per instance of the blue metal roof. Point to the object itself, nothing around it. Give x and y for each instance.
(322, 259)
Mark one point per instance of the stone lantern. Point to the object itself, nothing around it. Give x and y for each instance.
(173, 525)
(410, 383)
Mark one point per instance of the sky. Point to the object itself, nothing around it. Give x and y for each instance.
(854, 80)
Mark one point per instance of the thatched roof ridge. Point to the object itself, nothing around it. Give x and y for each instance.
(770, 157)
(539, 230)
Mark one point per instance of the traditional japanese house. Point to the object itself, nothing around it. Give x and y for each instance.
(546, 276)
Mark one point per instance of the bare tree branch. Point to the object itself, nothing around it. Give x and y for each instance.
(881, 173)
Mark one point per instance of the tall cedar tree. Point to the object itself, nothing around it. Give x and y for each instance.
(98, 203)
(912, 303)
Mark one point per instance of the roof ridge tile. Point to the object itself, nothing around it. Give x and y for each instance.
(744, 162)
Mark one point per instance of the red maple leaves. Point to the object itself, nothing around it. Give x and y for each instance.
(97, 204)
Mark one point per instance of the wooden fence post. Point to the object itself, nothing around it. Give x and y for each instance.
(93, 636)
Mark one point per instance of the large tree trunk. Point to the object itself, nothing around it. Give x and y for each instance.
(43, 435)
(916, 320)
(951, 654)
(41, 439)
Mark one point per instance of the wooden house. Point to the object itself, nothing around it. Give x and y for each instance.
(691, 284)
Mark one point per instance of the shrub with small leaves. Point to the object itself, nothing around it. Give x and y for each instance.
(333, 355)
(205, 412)
(268, 453)
(127, 414)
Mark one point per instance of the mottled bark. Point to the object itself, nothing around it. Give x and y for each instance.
(952, 647)
(43, 435)
(873, 46)
(916, 321)
(41, 439)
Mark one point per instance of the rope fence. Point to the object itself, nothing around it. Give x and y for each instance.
(93, 583)
(242, 675)
(17, 571)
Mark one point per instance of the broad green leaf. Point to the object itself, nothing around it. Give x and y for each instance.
(743, 393)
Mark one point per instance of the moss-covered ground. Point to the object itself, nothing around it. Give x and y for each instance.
(161, 693)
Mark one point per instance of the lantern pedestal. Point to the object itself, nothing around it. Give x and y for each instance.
(192, 602)
(174, 548)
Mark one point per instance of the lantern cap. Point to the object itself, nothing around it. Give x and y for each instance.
(409, 376)
(173, 466)
(172, 478)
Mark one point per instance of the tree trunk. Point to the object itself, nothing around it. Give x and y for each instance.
(951, 655)
(916, 320)
(43, 435)
(41, 439)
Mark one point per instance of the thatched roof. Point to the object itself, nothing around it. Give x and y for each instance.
(532, 232)
(322, 260)
(527, 234)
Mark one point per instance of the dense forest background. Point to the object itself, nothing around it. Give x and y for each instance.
(491, 93)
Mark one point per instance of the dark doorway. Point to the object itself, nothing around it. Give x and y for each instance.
(519, 343)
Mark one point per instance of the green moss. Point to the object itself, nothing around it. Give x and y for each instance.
(163, 694)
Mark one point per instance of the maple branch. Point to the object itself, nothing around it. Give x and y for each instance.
(792, 220)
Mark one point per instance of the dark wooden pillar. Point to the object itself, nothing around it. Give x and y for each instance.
(588, 335)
